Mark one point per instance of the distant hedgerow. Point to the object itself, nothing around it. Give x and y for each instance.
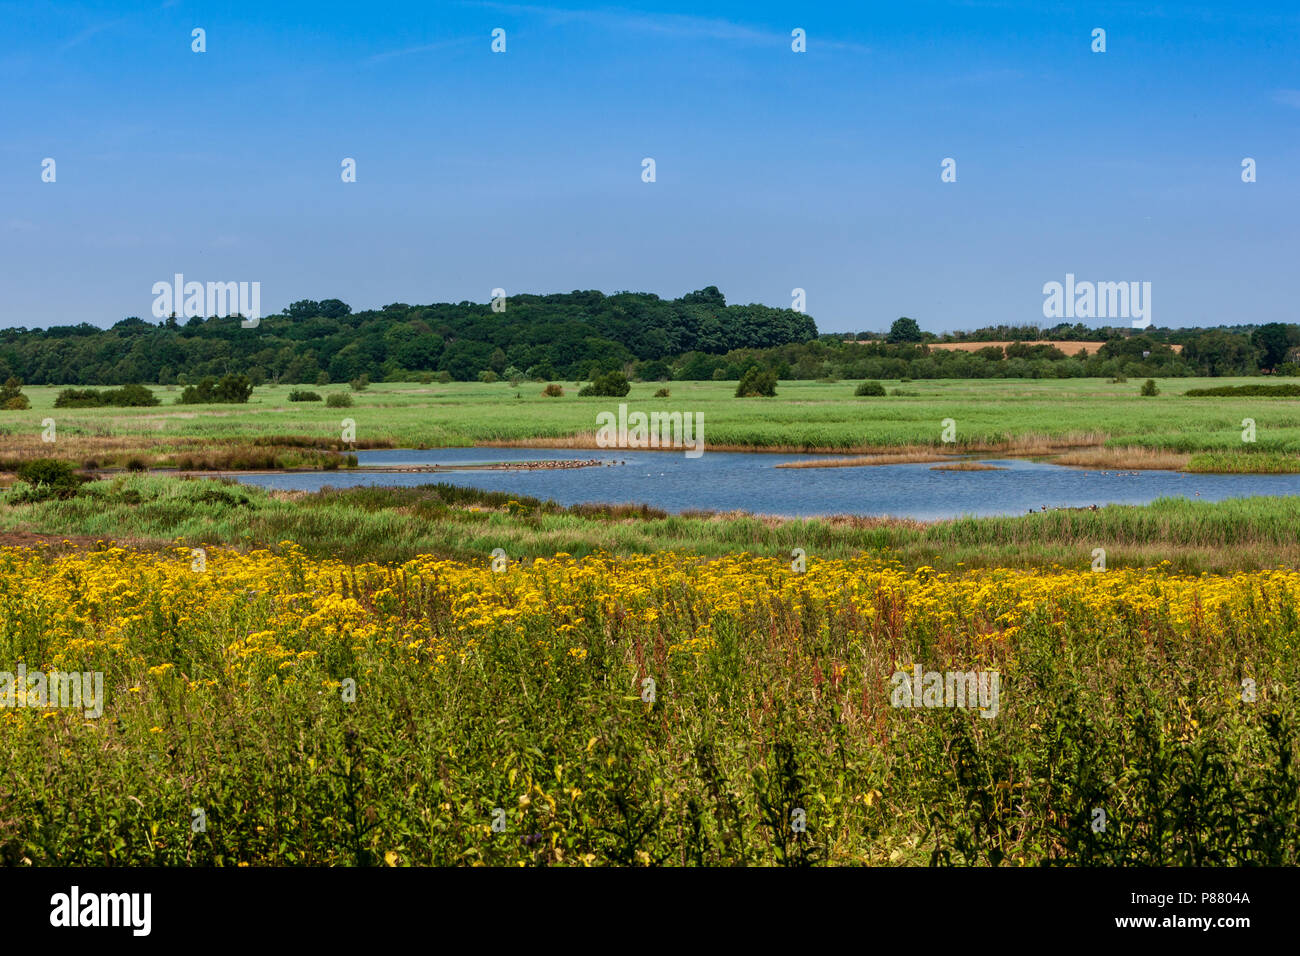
(128, 396)
(1260, 391)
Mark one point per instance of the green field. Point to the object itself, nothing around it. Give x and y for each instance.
(1030, 417)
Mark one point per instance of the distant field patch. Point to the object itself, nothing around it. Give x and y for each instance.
(1069, 348)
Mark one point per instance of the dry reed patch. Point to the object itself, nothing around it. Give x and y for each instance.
(967, 466)
(1041, 444)
(1128, 457)
(86, 451)
(903, 456)
(1023, 446)
(579, 440)
(871, 522)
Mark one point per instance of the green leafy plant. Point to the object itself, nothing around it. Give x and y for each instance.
(611, 384)
(757, 383)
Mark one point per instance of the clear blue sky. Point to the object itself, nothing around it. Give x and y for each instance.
(775, 170)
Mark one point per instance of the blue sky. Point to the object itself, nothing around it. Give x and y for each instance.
(775, 169)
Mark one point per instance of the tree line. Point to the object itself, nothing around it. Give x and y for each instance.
(566, 336)
(583, 335)
(833, 357)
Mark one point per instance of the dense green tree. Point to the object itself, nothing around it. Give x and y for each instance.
(465, 359)
(1273, 343)
(1220, 353)
(706, 296)
(904, 330)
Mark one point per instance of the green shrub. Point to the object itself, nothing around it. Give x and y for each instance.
(128, 396)
(132, 396)
(360, 383)
(47, 471)
(609, 385)
(757, 383)
(338, 400)
(1149, 387)
(302, 395)
(12, 397)
(662, 393)
(44, 478)
(230, 390)
(869, 389)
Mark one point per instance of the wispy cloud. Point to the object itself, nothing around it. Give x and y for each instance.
(421, 48)
(87, 33)
(662, 24)
(668, 24)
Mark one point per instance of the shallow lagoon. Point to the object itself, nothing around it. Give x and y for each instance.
(746, 481)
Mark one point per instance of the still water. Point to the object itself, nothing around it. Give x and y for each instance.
(729, 481)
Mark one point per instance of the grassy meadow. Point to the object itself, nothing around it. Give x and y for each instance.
(1090, 421)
